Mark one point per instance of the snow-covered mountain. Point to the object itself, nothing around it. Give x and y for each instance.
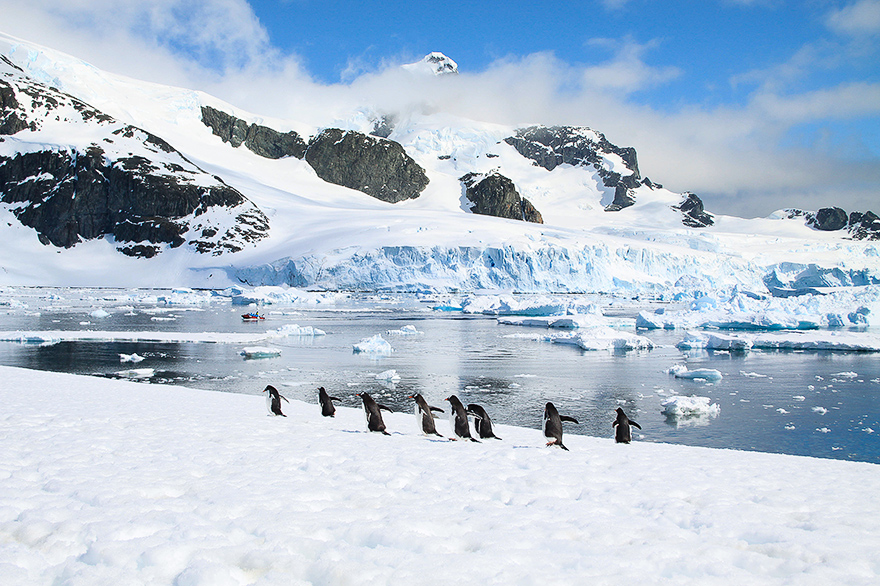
(105, 180)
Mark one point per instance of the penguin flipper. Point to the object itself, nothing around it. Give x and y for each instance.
(386, 408)
(335, 399)
(437, 409)
(283, 397)
(634, 424)
(567, 418)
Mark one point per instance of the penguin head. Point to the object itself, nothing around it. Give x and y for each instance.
(270, 388)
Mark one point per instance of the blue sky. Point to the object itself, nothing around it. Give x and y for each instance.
(753, 104)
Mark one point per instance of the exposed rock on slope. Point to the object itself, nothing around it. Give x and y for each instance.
(861, 225)
(121, 181)
(692, 212)
(378, 167)
(495, 195)
(552, 146)
(259, 139)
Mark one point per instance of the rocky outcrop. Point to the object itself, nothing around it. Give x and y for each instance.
(693, 214)
(127, 184)
(378, 167)
(495, 195)
(864, 226)
(259, 139)
(829, 219)
(860, 225)
(552, 146)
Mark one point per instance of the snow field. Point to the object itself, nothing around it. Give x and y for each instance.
(115, 482)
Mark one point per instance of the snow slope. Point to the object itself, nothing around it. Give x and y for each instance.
(113, 482)
(331, 237)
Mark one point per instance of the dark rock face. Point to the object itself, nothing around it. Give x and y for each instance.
(378, 167)
(552, 146)
(829, 219)
(130, 185)
(495, 195)
(384, 126)
(692, 211)
(261, 140)
(864, 226)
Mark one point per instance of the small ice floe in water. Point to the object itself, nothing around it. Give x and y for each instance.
(790, 427)
(868, 430)
(798, 398)
(388, 376)
(823, 430)
(820, 410)
(99, 314)
(753, 374)
(295, 331)
(137, 373)
(782, 411)
(260, 352)
(155, 318)
(681, 406)
(130, 358)
(846, 374)
(409, 330)
(375, 345)
(707, 374)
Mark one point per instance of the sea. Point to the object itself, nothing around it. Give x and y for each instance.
(810, 403)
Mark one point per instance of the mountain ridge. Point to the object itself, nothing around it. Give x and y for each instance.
(588, 192)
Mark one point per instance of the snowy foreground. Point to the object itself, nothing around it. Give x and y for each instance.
(113, 482)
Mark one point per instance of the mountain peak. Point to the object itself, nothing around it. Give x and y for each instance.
(435, 63)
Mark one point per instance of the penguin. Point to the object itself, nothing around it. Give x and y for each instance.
(273, 400)
(373, 412)
(482, 423)
(553, 425)
(622, 431)
(326, 401)
(458, 419)
(424, 417)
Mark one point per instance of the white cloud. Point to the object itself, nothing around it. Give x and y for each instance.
(857, 19)
(734, 156)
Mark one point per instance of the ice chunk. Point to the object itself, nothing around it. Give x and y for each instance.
(137, 373)
(388, 376)
(130, 358)
(375, 345)
(681, 371)
(408, 330)
(683, 406)
(260, 352)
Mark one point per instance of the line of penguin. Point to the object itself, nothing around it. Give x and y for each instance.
(458, 417)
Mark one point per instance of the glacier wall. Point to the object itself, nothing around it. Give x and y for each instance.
(541, 268)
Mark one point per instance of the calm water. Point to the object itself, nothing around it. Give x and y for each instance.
(821, 404)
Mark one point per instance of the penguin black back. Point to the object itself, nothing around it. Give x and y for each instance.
(622, 425)
(458, 419)
(273, 400)
(326, 401)
(553, 425)
(424, 417)
(482, 423)
(372, 410)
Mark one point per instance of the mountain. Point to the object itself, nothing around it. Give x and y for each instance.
(105, 180)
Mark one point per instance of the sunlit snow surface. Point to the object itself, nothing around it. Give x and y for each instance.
(112, 482)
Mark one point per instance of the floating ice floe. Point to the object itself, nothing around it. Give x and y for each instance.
(388, 376)
(683, 406)
(273, 295)
(137, 373)
(525, 306)
(602, 338)
(99, 314)
(130, 358)
(815, 340)
(294, 331)
(408, 330)
(820, 410)
(681, 371)
(374, 345)
(260, 352)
